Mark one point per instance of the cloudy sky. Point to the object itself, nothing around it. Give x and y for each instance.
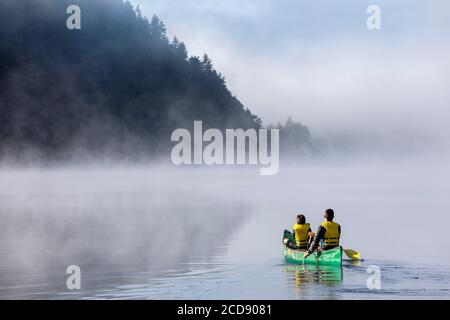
(317, 62)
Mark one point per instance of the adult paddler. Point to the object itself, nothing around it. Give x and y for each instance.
(329, 231)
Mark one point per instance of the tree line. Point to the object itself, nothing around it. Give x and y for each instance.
(119, 86)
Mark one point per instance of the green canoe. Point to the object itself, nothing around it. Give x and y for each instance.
(331, 257)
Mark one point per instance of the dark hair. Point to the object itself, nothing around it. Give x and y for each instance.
(301, 219)
(329, 214)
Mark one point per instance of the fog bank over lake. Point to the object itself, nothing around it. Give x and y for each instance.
(385, 211)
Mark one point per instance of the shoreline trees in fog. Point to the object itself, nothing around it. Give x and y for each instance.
(117, 87)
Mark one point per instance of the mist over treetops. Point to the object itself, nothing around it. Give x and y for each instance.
(118, 86)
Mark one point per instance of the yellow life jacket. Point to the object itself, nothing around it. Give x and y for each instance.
(301, 234)
(332, 234)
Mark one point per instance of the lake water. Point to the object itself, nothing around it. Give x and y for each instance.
(183, 233)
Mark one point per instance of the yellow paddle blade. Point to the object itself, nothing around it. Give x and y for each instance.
(352, 254)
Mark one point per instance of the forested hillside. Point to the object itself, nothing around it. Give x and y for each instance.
(119, 86)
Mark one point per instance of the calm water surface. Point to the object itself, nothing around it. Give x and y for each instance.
(166, 235)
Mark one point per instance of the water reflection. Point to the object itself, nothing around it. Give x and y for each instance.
(116, 238)
(354, 263)
(301, 276)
